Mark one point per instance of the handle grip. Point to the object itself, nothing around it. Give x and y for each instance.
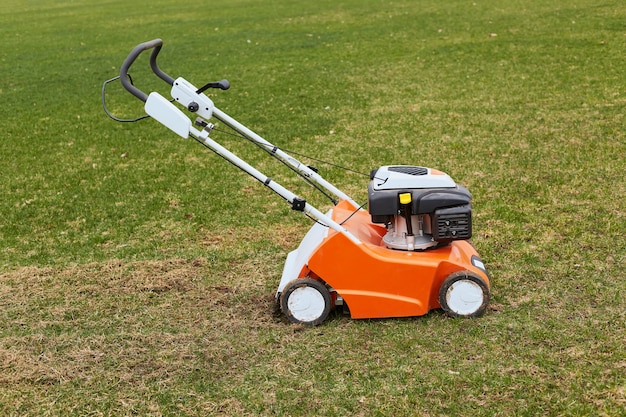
(155, 44)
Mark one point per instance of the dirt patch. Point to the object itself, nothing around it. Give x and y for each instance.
(125, 321)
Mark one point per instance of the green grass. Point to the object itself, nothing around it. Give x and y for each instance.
(137, 270)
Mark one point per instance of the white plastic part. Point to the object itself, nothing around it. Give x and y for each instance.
(166, 113)
(410, 242)
(185, 93)
(388, 179)
(478, 263)
(464, 297)
(297, 259)
(306, 304)
(396, 236)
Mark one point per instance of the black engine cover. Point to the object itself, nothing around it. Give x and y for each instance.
(454, 223)
(383, 204)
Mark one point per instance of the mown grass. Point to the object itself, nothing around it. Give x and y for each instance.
(138, 270)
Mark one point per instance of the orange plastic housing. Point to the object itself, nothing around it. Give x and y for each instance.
(377, 282)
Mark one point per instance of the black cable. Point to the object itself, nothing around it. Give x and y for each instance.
(316, 221)
(327, 163)
(306, 214)
(237, 134)
(353, 213)
(309, 181)
(298, 154)
(272, 151)
(106, 110)
(263, 146)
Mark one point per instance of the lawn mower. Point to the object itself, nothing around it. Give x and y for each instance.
(407, 253)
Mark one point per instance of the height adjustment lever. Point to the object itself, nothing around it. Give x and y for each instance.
(222, 85)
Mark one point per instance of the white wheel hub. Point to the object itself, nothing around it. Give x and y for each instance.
(464, 297)
(306, 304)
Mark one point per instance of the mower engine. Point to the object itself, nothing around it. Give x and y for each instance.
(422, 208)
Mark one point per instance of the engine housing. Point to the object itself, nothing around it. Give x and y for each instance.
(421, 207)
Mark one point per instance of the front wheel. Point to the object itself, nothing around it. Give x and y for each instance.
(464, 294)
(306, 301)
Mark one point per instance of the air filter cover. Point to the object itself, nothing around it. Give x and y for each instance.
(407, 176)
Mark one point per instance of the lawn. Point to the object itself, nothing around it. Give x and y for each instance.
(137, 269)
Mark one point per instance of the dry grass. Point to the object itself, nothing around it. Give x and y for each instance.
(203, 338)
(137, 272)
(124, 328)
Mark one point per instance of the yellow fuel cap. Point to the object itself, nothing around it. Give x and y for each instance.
(405, 198)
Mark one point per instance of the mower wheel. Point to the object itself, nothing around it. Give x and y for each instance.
(306, 301)
(463, 294)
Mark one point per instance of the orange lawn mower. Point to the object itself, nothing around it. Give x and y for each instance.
(408, 253)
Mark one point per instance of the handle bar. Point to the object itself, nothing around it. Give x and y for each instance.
(130, 59)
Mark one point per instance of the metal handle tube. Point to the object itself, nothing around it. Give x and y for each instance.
(273, 185)
(283, 156)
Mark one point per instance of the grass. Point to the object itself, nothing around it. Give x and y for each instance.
(137, 271)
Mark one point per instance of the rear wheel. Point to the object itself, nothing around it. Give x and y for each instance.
(464, 294)
(306, 301)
